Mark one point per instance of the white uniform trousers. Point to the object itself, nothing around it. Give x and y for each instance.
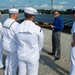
(72, 61)
(11, 63)
(1, 54)
(29, 67)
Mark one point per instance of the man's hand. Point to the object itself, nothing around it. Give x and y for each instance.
(51, 26)
(72, 44)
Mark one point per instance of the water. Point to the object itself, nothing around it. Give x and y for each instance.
(48, 18)
(5, 16)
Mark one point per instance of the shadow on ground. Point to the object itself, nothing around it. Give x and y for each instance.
(68, 31)
(45, 60)
(51, 63)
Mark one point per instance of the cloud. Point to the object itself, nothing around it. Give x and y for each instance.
(63, 3)
(20, 2)
(44, 6)
(12, 0)
(58, 7)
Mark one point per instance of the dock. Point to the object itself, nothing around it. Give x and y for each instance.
(48, 66)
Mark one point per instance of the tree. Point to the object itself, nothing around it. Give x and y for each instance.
(68, 11)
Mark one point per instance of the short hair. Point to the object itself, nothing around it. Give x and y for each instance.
(73, 11)
(10, 14)
(57, 11)
(28, 15)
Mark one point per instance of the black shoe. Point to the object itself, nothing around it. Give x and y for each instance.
(57, 58)
(51, 53)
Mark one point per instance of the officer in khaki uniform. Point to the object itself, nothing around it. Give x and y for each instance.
(1, 45)
(30, 40)
(9, 43)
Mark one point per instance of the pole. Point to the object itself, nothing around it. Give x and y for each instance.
(51, 6)
(13, 3)
(30, 3)
(33, 3)
(13, 6)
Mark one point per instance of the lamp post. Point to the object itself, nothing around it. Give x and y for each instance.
(12, 1)
(51, 6)
(30, 3)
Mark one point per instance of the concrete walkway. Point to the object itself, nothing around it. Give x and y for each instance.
(47, 64)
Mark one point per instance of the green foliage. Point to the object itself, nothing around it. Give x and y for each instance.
(42, 11)
(68, 11)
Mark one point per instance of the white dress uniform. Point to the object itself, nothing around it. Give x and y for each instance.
(30, 40)
(10, 45)
(72, 53)
(1, 46)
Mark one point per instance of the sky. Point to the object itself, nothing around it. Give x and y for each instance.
(38, 4)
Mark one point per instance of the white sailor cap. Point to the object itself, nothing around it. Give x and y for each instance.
(13, 11)
(30, 10)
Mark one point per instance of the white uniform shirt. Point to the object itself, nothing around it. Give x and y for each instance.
(1, 31)
(30, 40)
(73, 30)
(9, 43)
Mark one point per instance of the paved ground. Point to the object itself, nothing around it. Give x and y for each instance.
(47, 64)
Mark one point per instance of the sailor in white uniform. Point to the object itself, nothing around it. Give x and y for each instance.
(72, 51)
(9, 43)
(30, 40)
(1, 45)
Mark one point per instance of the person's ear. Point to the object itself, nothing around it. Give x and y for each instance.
(13, 15)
